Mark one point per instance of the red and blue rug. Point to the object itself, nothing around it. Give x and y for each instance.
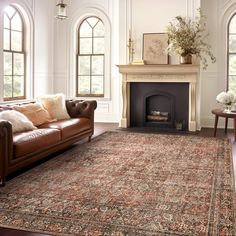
(127, 184)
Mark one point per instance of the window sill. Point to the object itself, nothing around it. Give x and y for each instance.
(17, 101)
(103, 99)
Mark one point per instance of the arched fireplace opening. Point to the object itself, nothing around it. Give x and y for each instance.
(159, 109)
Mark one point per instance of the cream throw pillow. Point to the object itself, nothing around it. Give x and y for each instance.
(19, 121)
(35, 113)
(55, 105)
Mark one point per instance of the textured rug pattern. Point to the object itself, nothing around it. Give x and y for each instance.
(127, 184)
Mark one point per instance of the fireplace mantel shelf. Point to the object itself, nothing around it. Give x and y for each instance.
(162, 74)
(159, 69)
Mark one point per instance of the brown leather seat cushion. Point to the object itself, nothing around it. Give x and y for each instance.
(69, 127)
(27, 142)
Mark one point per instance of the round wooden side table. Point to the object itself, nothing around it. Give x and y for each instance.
(220, 113)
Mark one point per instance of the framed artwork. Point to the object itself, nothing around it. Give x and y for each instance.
(154, 46)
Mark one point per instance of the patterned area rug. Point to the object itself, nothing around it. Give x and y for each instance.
(127, 184)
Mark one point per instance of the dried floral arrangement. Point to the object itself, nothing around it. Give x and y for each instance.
(189, 37)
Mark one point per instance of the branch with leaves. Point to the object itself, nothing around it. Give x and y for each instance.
(188, 36)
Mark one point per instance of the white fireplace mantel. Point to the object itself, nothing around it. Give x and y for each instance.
(167, 74)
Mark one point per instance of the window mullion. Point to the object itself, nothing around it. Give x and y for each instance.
(10, 34)
(92, 61)
(91, 74)
(12, 76)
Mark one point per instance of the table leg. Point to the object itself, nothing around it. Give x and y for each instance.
(226, 125)
(235, 129)
(216, 123)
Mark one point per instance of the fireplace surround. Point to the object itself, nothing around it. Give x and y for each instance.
(170, 74)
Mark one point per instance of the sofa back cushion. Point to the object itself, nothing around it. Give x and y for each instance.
(35, 112)
(55, 105)
(18, 120)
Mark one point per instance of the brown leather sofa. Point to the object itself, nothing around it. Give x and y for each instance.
(22, 149)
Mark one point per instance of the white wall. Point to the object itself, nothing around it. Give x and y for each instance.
(150, 16)
(140, 16)
(65, 54)
(157, 15)
(153, 16)
(214, 78)
(44, 46)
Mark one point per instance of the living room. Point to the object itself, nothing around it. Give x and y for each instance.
(152, 165)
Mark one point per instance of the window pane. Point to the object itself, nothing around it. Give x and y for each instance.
(6, 39)
(99, 29)
(92, 21)
(84, 65)
(232, 43)
(97, 84)
(98, 45)
(232, 83)
(6, 22)
(232, 26)
(84, 85)
(16, 23)
(7, 63)
(85, 30)
(16, 41)
(18, 86)
(10, 11)
(232, 64)
(85, 46)
(18, 60)
(97, 65)
(7, 86)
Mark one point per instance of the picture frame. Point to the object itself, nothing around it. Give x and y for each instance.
(154, 48)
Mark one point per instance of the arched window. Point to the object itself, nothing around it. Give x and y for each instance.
(91, 58)
(14, 54)
(232, 54)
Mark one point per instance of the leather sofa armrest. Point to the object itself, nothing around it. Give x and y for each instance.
(6, 147)
(81, 108)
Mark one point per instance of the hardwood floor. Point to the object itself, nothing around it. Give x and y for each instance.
(101, 128)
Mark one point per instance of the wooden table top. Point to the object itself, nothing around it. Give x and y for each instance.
(220, 112)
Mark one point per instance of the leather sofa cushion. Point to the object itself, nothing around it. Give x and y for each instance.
(35, 113)
(27, 142)
(69, 127)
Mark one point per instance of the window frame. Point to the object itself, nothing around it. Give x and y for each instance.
(228, 52)
(90, 55)
(23, 46)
